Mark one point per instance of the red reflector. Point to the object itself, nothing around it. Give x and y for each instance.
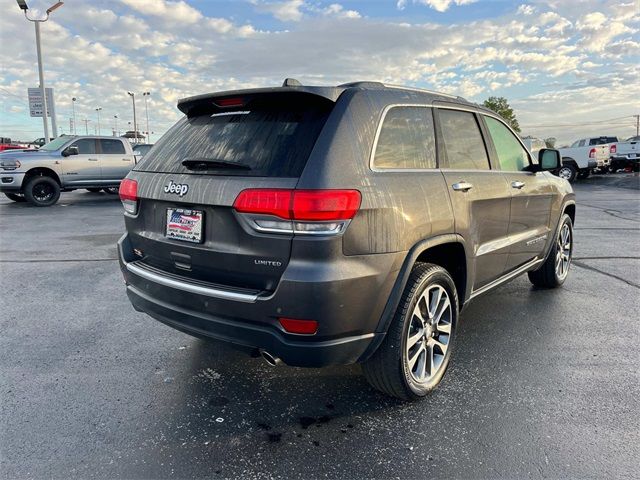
(305, 327)
(128, 189)
(613, 148)
(229, 102)
(264, 201)
(312, 205)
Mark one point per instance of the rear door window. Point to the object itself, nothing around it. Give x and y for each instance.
(406, 140)
(511, 155)
(267, 142)
(111, 147)
(462, 140)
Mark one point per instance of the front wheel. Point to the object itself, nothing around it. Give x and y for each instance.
(415, 353)
(555, 269)
(42, 191)
(16, 197)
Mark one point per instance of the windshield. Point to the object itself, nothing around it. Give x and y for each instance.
(55, 144)
(269, 142)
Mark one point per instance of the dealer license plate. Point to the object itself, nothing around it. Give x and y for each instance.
(184, 224)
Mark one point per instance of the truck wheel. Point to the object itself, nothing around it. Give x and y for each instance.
(42, 191)
(568, 172)
(415, 353)
(555, 269)
(94, 190)
(16, 197)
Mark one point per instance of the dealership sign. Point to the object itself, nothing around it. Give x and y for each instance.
(35, 102)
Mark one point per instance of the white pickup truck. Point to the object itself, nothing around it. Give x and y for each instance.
(584, 156)
(625, 154)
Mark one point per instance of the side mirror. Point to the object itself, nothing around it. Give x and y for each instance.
(549, 159)
(72, 150)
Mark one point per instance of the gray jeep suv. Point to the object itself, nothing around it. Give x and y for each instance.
(333, 225)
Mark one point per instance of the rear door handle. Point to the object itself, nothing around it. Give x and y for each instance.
(517, 185)
(93, 159)
(462, 186)
(126, 159)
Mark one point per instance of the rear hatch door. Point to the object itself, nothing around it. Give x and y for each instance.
(187, 184)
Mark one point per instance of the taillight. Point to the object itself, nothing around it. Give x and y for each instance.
(301, 211)
(129, 195)
(592, 153)
(613, 148)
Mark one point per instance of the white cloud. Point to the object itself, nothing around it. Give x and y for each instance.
(438, 5)
(525, 9)
(174, 12)
(285, 11)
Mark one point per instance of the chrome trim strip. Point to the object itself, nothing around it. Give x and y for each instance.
(509, 276)
(504, 242)
(191, 288)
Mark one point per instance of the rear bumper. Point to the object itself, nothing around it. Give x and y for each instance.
(347, 303)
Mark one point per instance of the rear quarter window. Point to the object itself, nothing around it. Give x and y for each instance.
(406, 140)
(270, 142)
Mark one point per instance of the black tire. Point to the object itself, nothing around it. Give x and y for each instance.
(568, 172)
(584, 173)
(94, 190)
(548, 276)
(388, 370)
(111, 190)
(16, 197)
(42, 191)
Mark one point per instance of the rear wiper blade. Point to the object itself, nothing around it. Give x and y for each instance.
(212, 164)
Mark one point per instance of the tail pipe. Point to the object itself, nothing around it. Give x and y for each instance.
(270, 359)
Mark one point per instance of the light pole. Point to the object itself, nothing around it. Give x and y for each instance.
(146, 110)
(116, 128)
(86, 126)
(73, 108)
(135, 123)
(45, 111)
(98, 110)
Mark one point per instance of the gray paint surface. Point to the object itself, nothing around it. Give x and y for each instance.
(543, 383)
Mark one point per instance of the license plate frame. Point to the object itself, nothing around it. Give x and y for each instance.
(184, 224)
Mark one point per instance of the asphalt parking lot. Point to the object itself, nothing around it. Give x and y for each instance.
(543, 384)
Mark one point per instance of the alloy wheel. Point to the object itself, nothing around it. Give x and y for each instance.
(563, 252)
(429, 334)
(43, 192)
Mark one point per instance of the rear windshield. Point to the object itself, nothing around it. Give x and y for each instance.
(266, 142)
(603, 140)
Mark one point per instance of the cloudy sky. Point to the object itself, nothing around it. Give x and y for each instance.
(569, 67)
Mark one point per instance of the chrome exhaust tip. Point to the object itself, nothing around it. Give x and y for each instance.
(270, 359)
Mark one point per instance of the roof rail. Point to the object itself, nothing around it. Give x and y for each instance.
(416, 89)
(362, 85)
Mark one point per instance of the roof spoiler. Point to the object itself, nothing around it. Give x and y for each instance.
(290, 91)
